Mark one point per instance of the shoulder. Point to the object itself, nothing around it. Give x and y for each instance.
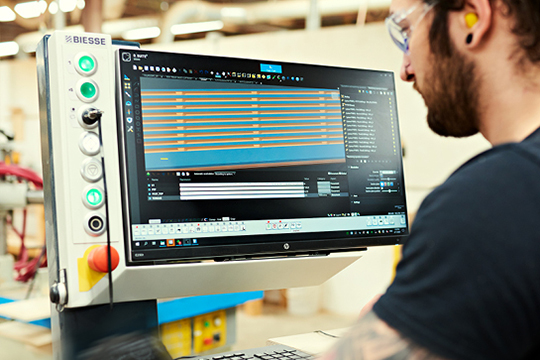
(488, 208)
(474, 242)
(523, 156)
(504, 176)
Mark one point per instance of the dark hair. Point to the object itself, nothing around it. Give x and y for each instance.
(526, 25)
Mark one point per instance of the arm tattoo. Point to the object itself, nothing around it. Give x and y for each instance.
(372, 339)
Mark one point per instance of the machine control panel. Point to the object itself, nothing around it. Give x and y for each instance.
(79, 88)
(81, 128)
(89, 142)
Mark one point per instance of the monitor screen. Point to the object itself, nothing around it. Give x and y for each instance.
(228, 158)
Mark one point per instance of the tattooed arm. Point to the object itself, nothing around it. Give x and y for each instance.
(372, 339)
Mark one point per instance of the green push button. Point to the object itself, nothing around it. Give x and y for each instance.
(88, 90)
(94, 197)
(87, 63)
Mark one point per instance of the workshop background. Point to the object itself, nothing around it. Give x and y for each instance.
(348, 33)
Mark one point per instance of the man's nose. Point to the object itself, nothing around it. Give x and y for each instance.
(407, 72)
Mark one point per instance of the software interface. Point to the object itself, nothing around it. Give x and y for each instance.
(224, 152)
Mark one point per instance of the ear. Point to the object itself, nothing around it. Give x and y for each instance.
(473, 23)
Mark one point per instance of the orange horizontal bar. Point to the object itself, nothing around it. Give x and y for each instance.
(229, 99)
(232, 140)
(254, 126)
(147, 135)
(248, 92)
(231, 147)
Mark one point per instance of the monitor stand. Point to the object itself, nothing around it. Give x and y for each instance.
(77, 329)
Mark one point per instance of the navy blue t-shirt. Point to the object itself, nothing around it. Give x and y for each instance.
(468, 285)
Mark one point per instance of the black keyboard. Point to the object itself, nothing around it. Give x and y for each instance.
(271, 352)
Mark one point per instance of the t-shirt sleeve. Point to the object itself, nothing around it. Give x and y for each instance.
(468, 284)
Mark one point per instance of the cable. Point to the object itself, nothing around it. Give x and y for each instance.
(37, 264)
(21, 173)
(21, 264)
(325, 333)
(8, 136)
(26, 269)
(109, 261)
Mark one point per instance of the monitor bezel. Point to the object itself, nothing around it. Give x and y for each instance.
(276, 248)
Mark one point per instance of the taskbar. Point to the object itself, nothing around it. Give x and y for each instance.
(200, 230)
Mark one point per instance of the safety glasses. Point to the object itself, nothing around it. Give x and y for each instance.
(401, 24)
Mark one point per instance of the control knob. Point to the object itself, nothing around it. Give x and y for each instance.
(58, 293)
(91, 116)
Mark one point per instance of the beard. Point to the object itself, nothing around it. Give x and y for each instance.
(450, 92)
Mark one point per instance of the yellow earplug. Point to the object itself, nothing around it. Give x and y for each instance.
(471, 19)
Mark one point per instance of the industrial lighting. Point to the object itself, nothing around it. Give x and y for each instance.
(42, 4)
(31, 9)
(233, 12)
(53, 7)
(8, 48)
(6, 14)
(191, 28)
(81, 4)
(67, 5)
(142, 33)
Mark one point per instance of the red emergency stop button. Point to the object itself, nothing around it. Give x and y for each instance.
(208, 341)
(98, 260)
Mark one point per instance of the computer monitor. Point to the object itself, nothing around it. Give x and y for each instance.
(226, 158)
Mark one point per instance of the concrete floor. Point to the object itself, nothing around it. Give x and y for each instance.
(252, 331)
(14, 350)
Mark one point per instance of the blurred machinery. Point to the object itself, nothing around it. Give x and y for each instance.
(19, 187)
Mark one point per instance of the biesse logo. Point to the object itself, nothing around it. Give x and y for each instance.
(85, 40)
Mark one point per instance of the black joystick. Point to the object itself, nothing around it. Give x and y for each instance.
(91, 115)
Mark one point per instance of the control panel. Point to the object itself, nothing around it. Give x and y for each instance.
(200, 334)
(209, 331)
(83, 186)
(176, 337)
(81, 149)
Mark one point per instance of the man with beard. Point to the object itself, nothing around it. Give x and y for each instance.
(468, 286)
